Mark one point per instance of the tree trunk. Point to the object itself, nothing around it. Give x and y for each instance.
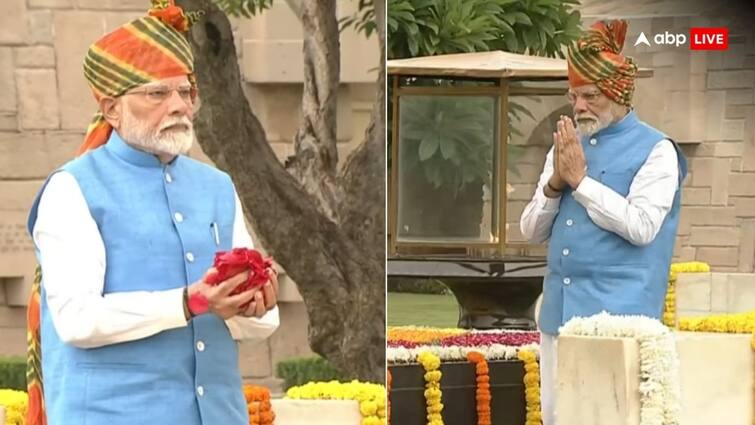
(362, 207)
(337, 277)
(315, 156)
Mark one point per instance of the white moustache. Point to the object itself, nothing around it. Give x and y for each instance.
(176, 121)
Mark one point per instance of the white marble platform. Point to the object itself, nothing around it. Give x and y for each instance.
(316, 412)
(598, 380)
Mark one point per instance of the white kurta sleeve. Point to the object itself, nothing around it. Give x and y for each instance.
(638, 217)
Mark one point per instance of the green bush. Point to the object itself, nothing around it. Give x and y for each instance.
(302, 370)
(417, 286)
(13, 373)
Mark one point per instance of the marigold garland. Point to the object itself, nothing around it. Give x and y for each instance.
(741, 323)
(433, 395)
(421, 334)
(389, 381)
(531, 387)
(371, 397)
(482, 394)
(15, 403)
(258, 403)
(669, 310)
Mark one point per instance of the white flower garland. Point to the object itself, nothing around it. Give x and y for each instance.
(659, 362)
(458, 352)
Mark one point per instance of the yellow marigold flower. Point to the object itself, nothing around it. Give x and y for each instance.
(371, 397)
(420, 334)
(429, 360)
(368, 408)
(372, 420)
(728, 323)
(16, 403)
(435, 409)
(690, 267)
(531, 379)
(526, 356)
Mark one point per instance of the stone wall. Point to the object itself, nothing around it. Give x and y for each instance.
(703, 294)
(705, 101)
(45, 106)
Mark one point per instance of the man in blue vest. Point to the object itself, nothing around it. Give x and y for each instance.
(607, 201)
(126, 234)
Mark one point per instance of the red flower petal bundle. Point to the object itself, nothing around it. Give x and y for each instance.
(239, 260)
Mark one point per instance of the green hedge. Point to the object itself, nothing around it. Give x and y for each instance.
(302, 370)
(417, 286)
(13, 373)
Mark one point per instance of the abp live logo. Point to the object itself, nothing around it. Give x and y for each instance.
(700, 38)
(709, 38)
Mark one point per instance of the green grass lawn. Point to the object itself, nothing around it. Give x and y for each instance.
(422, 310)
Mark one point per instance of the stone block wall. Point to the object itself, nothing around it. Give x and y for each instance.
(703, 294)
(705, 101)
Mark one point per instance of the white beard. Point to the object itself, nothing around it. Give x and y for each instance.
(588, 127)
(594, 123)
(155, 141)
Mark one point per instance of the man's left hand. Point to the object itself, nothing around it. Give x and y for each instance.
(265, 299)
(571, 157)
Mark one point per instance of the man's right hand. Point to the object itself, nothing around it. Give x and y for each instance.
(220, 301)
(555, 180)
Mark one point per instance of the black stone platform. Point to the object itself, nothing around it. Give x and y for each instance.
(458, 385)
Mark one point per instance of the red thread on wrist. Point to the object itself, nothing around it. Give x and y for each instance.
(198, 304)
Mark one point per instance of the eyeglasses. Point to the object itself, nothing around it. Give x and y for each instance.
(591, 98)
(159, 94)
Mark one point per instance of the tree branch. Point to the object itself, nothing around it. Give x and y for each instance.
(336, 277)
(315, 160)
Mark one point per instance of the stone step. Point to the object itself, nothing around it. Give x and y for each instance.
(316, 412)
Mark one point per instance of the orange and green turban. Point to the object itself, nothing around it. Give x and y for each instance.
(596, 58)
(147, 49)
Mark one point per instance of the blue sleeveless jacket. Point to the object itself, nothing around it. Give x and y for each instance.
(591, 269)
(155, 221)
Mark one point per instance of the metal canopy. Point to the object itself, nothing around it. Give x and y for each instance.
(495, 64)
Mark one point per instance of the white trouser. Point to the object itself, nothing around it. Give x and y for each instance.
(548, 351)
